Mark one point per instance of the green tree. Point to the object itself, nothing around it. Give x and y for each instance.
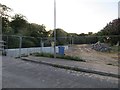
(112, 28)
(4, 18)
(18, 23)
(90, 33)
(4, 10)
(61, 37)
(36, 30)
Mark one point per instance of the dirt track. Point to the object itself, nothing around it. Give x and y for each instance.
(91, 56)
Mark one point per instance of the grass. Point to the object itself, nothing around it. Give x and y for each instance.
(74, 58)
(43, 55)
(115, 48)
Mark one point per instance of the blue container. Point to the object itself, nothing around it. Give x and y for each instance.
(61, 50)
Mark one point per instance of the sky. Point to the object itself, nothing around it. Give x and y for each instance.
(73, 16)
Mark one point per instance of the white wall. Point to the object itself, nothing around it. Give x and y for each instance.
(27, 51)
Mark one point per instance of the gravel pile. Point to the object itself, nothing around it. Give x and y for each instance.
(101, 47)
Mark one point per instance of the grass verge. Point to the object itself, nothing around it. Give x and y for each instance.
(74, 58)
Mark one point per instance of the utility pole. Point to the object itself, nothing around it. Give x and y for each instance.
(54, 28)
(119, 9)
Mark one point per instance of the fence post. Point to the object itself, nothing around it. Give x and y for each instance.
(7, 42)
(72, 40)
(41, 45)
(20, 46)
(6, 47)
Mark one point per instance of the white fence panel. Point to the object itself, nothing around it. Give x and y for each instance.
(27, 51)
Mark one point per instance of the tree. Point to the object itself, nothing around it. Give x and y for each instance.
(18, 23)
(61, 36)
(90, 33)
(4, 10)
(4, 18)
(36, 30)
(112, 28)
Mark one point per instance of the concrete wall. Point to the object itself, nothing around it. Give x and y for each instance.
(27, 51)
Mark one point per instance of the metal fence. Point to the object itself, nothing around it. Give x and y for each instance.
(19, 45)
(16, 46)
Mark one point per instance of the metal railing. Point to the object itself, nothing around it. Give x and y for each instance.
(30, 44)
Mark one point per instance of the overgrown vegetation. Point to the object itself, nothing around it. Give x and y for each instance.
(74, 58)
(115, 48)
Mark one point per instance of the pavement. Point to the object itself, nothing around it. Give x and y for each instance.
(106, 70)
(17, 73)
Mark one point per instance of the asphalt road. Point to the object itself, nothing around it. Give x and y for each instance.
(22, 74)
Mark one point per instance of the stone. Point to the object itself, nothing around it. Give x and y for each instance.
(103, 47)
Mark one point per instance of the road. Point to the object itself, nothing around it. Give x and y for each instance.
(22, 74)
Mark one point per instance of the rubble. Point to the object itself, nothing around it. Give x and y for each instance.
(101, 47)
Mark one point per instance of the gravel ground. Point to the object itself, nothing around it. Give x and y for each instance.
(91, 56)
